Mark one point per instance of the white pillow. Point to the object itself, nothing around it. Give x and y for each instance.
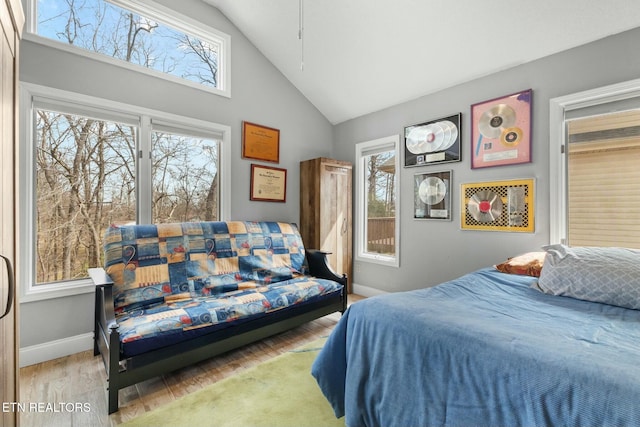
(598, 274)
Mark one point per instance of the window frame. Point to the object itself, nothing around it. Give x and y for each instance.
(26, 200)
(362, 150)
(160, 13)
(558, 107)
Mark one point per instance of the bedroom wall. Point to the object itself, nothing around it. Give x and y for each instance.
(432, 251)
(259, 94)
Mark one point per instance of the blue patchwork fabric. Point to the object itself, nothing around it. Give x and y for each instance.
(175, 280)
(149, 263)
(187, 314)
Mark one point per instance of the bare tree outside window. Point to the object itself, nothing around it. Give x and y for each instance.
(101, 27)
(381, 204)
(85, 180)
(86, 167)
(185, 178)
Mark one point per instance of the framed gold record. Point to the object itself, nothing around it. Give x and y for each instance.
(498, 206)
(501, 131)
(432, 195)
(435, 141)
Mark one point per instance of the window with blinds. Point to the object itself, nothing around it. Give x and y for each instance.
(603, 177)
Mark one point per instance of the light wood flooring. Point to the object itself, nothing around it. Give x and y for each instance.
(80, 379)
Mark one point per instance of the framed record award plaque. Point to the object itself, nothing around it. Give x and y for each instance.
(436, 141)
(498, 206)
(432, 195)
(501, 131)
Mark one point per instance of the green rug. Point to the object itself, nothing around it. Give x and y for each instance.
(279, 392)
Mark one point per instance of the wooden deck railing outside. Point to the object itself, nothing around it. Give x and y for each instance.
(381, 234)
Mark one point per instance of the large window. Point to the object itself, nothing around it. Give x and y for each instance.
(90, 163)
(603, 180)
(85, 180)
(377, 201)
(185, 177)
(142, 33)
(595, 179)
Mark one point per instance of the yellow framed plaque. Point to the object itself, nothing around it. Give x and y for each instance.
(498, 206)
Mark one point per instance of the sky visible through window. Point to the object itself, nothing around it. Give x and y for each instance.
(101, 27)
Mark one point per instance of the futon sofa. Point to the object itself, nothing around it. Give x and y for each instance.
(170, 295)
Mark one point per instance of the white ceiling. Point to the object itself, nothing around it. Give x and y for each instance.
(361, 56)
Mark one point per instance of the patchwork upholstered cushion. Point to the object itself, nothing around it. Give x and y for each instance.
(150, 263)
(606, 275)
(154, 326)
(527, 264)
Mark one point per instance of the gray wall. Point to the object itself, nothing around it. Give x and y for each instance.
(259, 94)
(435, 251)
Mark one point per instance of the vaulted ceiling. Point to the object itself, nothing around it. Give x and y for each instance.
(360, 56)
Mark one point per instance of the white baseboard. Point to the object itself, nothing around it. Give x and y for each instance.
(54, 349)
(366, 291)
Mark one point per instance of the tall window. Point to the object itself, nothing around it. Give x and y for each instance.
(594, 174)
(377, 201)
(93, 163)
(143, 33)
(85, 180)
(603, 180)
(185, 178)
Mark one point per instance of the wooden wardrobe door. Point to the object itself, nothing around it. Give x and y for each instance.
(12, 19)
(325, 210)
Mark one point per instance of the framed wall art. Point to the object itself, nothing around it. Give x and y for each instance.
(435, 141)
(432, 195)
(260, 142)
(498, 206)
(268, 184)
(501, 131)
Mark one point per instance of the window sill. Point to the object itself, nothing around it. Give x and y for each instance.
(379, 259)
(60, 290)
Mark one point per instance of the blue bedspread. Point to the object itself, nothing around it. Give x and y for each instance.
(483, 350)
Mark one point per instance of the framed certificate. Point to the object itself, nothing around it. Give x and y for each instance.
(268, 184)
(260, 142)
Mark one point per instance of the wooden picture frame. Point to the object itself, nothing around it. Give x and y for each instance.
(260, 142)
(268, 184)
(501, 131)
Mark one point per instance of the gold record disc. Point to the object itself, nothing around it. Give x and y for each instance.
(485, 206)
(511, 136)
(432, 190)
(495, 120)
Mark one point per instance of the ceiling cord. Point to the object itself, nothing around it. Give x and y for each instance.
(301, 32)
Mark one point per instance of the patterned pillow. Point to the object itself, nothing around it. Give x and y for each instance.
(606, 275)
(528, 264)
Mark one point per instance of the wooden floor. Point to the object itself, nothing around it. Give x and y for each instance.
(78, 381)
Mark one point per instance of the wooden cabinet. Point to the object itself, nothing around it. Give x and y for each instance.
(325, 210)
(11, 19)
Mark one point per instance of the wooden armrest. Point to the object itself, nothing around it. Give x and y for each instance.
(319, 267)
(100, 277)
(104, 313)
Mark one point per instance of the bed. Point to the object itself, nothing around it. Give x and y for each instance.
(495, 349)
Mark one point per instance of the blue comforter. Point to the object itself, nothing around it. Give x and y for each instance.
(483, 350)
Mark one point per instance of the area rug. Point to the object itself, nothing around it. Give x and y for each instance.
(278, 392)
